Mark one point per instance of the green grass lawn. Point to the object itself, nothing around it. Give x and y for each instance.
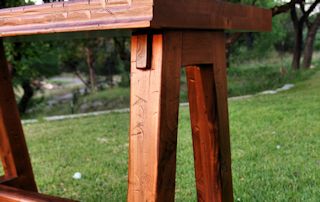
(275, 151)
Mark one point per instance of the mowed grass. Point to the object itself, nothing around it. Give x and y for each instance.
(275, 151)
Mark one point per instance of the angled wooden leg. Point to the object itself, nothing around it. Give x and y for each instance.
(204, 132)
(13, 148)
(154, 117)
(221, 86)
(207, 89)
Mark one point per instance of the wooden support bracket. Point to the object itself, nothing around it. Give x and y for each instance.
(144, 51)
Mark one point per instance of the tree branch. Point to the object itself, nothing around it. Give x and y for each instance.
(303, 11)
(82, 79)
(284, 8)
(309, 11)
(275, 11)
(294, 17)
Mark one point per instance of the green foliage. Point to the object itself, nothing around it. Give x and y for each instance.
(244, 81)
(113, 98)
(125, 83)
(248, 78)
(257, 45)
(106, 60)
(260, 3)
(32, 60)
(13, 3)
(317, 42)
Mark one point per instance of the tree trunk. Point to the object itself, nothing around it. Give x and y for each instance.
(308, 49)
(120, 47)
(124, 53)
(297, 49)
(78, 74)
(298, 33)
(27, 95)
(26, 84)
(92, 74)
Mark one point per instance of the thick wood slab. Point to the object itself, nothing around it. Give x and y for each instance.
(85, 15)
(210, 14)
(9, 194)
(79, 15)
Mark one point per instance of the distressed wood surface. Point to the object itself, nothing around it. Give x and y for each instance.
(10, 194)
(14, 152)
(71, 16)
(154, 120)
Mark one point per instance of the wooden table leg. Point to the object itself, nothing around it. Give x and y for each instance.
(14, 152)
(207, 88)
(154, 117)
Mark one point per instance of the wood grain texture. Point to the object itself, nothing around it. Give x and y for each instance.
(72, 16)
(10, 194)
(220, 79)
(195, 48)
(210, 14)
(170, 95)
(144, 46)
(85, 15)
(154, 120)
(14, 152)
(207, 86)
(204, 124)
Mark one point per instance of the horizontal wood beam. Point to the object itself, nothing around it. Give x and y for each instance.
(9, 194)
(81, 15)
(210, 14)
(85, 15)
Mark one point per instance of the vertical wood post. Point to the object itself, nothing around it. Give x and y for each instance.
(154, 119)
(14, 152)
(207, 88)
(220, 80)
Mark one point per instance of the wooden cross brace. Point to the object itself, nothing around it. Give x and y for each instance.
(167, 35)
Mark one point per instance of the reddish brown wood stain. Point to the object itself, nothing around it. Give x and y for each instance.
(155, 86)
(153, 121)
(14, 151)
(202, 99)
(82, 15)
(10, 194)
